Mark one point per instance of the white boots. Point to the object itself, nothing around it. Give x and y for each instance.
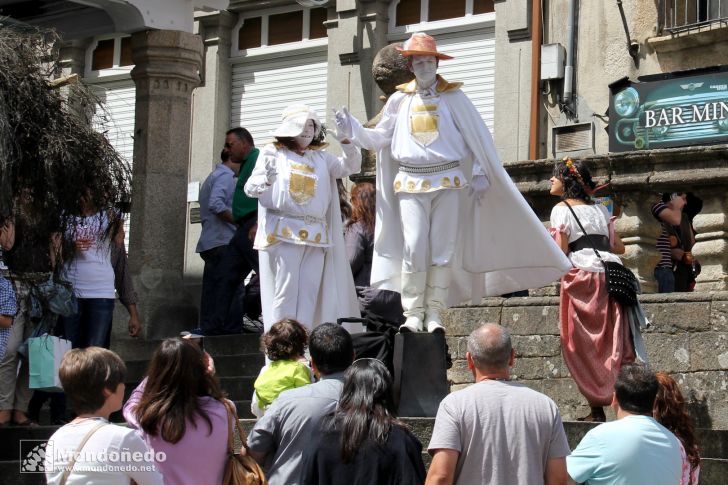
(413, 300)
(424, 290)
(438, 283)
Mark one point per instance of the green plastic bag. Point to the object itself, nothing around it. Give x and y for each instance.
(45, 354)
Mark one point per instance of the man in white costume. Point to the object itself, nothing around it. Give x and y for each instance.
(436, 243)
(304, 271)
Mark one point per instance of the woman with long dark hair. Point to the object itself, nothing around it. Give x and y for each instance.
(669, 410)
(179, 410)
(363, 442)
(598, 335)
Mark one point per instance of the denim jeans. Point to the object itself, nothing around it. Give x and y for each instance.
(665, 280)
(91, 326)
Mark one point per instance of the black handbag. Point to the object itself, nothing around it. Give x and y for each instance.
(622, 284)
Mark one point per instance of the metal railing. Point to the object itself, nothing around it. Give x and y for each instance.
(675, 16)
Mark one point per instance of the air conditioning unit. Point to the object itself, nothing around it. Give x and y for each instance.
(572, 139)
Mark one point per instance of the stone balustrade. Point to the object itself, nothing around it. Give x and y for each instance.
(636, 181)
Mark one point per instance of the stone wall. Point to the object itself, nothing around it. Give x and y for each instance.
(688, 338)
(636, 180)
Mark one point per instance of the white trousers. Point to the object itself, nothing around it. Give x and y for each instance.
(430, 228)
(297, 271)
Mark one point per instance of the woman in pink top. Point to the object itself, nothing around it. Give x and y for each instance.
(179, 411)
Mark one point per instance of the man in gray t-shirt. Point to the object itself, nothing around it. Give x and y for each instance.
(293, 419)
(497, 431)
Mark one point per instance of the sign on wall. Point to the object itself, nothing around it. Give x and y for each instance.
(669, 110)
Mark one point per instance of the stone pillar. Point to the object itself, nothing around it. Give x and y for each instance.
(72, 55)
(72, 60)
(211, 115)
(513, 75)
(167, 65)
(355, 36)
(711, 241)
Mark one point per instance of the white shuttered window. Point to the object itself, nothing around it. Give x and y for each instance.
(116, 121)
(474, 65)
(263, 87)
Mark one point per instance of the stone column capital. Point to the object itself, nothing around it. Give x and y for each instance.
(167, 62)
(72, 55)
(217, 29)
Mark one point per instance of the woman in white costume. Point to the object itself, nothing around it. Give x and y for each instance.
(304, 272)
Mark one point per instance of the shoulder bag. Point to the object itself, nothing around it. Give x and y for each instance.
(72, 463)
(239, 469)
(622, 284)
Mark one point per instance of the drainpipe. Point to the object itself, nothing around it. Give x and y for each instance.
(569, 69)
(533, 152)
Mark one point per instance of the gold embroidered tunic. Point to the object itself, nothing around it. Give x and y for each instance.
(426, 141)
(298, 200)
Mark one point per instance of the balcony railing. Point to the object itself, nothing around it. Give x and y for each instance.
(676, 16)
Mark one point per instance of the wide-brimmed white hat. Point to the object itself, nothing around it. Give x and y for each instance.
(294, 118)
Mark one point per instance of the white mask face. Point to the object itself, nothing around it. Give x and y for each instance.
(304, 139)
(425, 70)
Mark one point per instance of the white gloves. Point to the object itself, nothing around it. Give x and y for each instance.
(270, 171)
(343, 124)
(478, 186)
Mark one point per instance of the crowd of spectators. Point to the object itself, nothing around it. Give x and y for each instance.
(343, 428)
(323, 416)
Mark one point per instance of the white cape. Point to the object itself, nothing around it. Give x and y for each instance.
(501, 247)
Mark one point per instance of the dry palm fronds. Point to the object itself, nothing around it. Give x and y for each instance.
(50, 156)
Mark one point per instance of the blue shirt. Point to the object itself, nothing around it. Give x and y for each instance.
(216, 197)
(8, 304)
(632, 450)
(8, 307)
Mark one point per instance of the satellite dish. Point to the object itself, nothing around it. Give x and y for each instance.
(313, 3)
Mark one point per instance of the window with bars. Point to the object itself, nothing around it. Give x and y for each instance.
(675, 16)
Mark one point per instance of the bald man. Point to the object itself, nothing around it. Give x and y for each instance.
(496, 431)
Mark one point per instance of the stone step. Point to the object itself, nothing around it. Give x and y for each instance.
(225, 366)
(713, 471)
(10, 437)
(238, 388)
(133, 349)
(10, 473)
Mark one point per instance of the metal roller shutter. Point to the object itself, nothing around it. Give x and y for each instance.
(474, 65)
(117, 122)
(262, 88)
